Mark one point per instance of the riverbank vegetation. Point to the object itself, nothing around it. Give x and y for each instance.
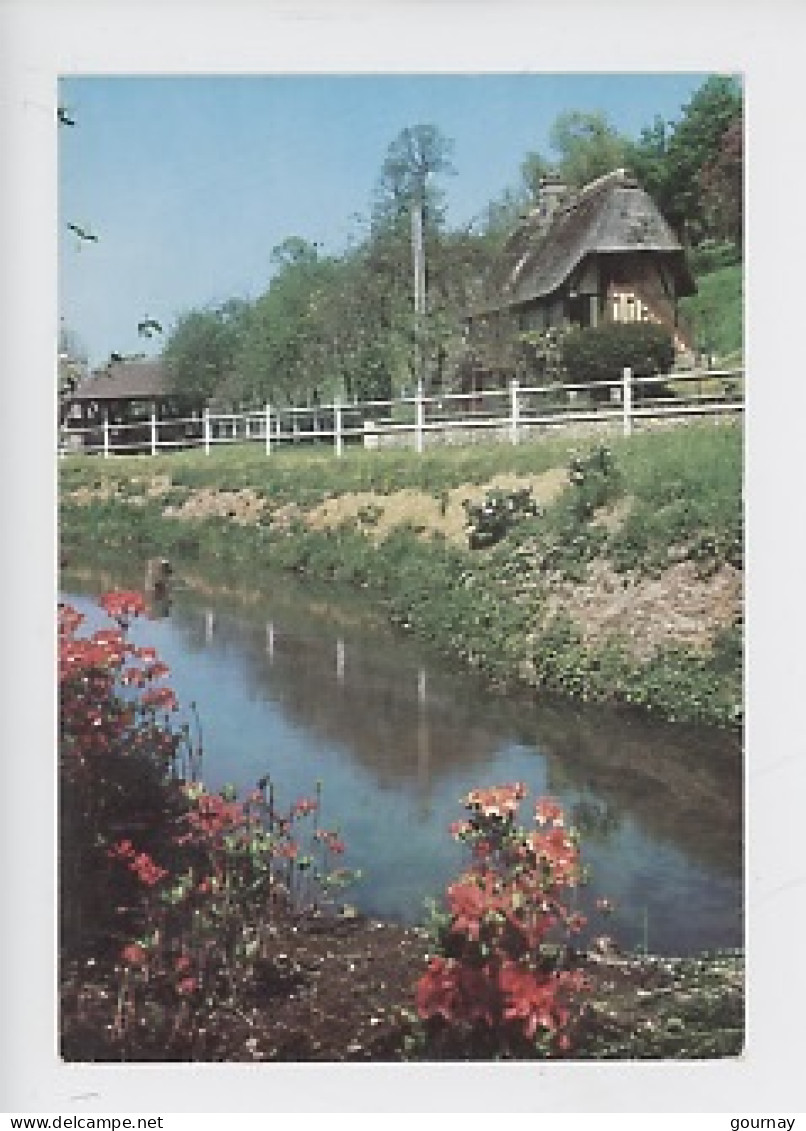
(203, 927)
(615, 573)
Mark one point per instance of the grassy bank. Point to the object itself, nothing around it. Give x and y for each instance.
(625, 585)
(716, 311)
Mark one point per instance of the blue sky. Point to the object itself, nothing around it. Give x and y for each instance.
(190, 181)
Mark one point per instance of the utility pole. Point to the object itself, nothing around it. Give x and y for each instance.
(418, 252)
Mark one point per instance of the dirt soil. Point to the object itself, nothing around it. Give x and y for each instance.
(244, 507)
(337, 992)
(424, 512)
(678, 607)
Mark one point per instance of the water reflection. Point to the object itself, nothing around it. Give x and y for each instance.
(296, 684)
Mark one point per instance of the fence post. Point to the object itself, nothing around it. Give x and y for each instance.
(627, 401)
(419, 416)
(106, 433)
(153, 430)
(339, 434)
(206, 431)
(514, 409)
(268, 430)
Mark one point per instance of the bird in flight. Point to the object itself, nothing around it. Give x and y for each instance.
(148, 327)
(83, 233)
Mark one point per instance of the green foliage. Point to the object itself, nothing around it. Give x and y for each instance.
(712, 255)
(686, 501)
(490, 521)
(670, 161)
(415, 155)
(586, 147)
(286, 354)
(598, 354)
(595, 481)
(568, 540)
(716, 311)
(200, 354)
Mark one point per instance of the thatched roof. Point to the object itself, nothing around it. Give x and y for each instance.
(610, 215)
(132, 379)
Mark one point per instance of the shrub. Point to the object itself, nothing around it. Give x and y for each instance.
(490, 521)
(178, 885)
(712, 256)
(502, 982)
(600, 354)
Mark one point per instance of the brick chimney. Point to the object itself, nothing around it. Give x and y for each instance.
(552, 194)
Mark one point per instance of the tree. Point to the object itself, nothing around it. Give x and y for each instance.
(669, 162)
(534, 168)
(413, 159)
(586, 147)
(721, 186)
(287, 351)
(409, 213)
(648, 158)
(201, 351)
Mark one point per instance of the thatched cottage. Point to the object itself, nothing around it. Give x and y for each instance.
(584, 257)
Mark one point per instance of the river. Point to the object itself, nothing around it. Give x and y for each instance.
(306, 683)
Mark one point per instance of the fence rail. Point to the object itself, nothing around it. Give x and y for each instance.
(508, 414)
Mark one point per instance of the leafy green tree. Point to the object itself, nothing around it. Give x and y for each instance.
(287, 350)
(670, 162)
(201, 352)
(533, 168)
(648, 158)
(586, 147)
(414, 158)
(408, 189)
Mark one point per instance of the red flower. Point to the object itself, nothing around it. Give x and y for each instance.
(123, 850)
(146, 870)
(548, 812)
(330, 840)
(160, 697)
(531, 999)
(455, 991)
(459, 829)
(498, 801)
(123, 603)
(470, 900)
(187, 986)
(559, 852)
(134, 955)
(304, 806)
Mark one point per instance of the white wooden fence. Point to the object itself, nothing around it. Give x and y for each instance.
(510, 414)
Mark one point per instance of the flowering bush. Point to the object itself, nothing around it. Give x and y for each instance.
(502, 980)
(189, 880)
